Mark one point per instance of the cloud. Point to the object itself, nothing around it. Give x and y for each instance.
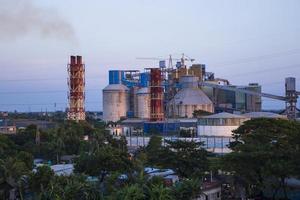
(21, 17)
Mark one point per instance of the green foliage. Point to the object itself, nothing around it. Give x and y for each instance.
(26, 158)
(187, 189)
(131, 192)
(264, 150)
(7, 147)
(200, 113)
(187, 158)
(73, 187)
(40, 179)
(159, 192)
(103, 161)
(155, 152)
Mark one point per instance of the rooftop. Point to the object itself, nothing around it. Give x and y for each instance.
(191, 96)
(224, 115)
(116, 87)
(264, 115)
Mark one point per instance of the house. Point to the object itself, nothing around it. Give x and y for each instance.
(210, 190)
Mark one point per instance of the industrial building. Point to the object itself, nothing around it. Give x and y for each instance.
(169, 98)
(165, 92)
(220, 124)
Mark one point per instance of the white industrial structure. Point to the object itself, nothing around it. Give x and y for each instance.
(189, 98)
(143, 103)
(115, 102)
(219, 125)
(254, 115)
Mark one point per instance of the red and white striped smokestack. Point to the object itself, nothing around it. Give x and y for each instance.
(72, 60)
(79, 60)
(76, 85)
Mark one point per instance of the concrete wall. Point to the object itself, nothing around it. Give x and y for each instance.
(225, 131)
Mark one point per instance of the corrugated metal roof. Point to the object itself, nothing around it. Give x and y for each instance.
(224, 115)
(116, 87)
(191, 96)
(263, 115)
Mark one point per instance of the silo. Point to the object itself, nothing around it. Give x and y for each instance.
(189, 98)
(143, 103)
(115, 102)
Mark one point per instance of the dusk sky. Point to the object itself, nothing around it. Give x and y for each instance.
(241, 40)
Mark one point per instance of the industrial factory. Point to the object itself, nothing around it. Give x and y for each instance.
(170, 98)
(166, 98)
(159, 93)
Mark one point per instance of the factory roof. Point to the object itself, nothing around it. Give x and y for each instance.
(116, 87)
(264, 115)
(143, 90)
(191, 96)
(224, 115)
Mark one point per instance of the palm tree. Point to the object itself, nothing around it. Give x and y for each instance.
(131, 192)
(58, 143)
(159, 192)
(13, 171)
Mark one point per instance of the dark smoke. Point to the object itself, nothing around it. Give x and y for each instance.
(20, 17)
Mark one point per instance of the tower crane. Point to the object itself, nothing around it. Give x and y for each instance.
(182, 60)
(290, 98)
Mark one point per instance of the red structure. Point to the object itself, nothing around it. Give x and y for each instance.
(156, 95)
(76, 83)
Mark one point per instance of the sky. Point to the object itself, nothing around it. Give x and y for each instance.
(244, 41)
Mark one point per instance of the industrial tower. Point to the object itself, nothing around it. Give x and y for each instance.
(76, 83)
(156, 95)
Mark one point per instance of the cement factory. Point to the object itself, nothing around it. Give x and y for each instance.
(169, 98)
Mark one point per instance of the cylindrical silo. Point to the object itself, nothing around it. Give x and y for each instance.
(115, 102)
(143, 103)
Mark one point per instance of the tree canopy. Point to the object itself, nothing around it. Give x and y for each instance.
(265, 152)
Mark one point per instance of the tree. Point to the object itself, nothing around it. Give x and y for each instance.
(7, 147)
(159, 192)
(131, 192)
(103, 161)
(26, 158)
(200, 113)
(187, 158)
(264, 151)
(187, 189)
(156, 154)
(73, 187)
(40, 179)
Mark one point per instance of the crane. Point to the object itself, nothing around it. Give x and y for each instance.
(170, 59)
(290, 98)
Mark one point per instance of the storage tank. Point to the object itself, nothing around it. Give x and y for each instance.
(220, 124)
(143, 103)
(189, 98)
(115, 102)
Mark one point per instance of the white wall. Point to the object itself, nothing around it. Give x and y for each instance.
(225, 131)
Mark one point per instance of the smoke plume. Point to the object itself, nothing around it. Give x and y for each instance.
(21, 17)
